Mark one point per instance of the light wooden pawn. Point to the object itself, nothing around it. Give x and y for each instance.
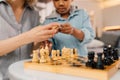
(35, 58)
(54, 54)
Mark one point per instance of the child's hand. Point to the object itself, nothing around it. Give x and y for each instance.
(66, 28)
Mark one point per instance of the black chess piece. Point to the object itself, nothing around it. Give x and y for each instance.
(110, 56)
(100, 64)
(91, 62)
(106, 59)
(115, 54)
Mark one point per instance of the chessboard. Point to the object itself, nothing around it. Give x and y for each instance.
(75, 65)
(78, 70)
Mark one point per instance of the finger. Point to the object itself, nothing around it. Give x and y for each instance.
(67, 28)
(51, 25)
(47, 32)
(66, 31)
(66, 24)
(46, 37)
(43, 38)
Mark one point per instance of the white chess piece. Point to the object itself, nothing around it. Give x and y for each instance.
(47, 53)
(42, 56)
(54, 54)
(35, 56)
(76, 52)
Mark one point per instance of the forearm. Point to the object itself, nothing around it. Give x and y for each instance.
(78, 34)
(11, 44)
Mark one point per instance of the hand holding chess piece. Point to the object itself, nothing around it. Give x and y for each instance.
(57, 28)
(67, 28)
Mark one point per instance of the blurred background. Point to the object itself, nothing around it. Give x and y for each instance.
(104, 16)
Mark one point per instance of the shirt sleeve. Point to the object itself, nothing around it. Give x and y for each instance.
(87, 29)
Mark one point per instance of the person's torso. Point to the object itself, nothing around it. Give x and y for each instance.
(9, 27)
(61, 40)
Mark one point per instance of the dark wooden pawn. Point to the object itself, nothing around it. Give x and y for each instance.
(91, 63)
(100, 64)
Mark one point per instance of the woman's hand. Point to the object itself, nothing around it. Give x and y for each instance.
(42, 33)
(66, 28)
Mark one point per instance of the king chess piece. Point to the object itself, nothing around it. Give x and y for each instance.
(100, 64)
(106, 59)
(91, 62)
(110, 57)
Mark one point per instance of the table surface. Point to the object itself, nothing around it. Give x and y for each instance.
(0, 76)
(17, 72)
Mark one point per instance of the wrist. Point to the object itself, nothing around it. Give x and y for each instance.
(26, 38)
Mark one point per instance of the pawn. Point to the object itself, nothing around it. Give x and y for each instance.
(91, 62)
(100, 64)
(54, 55)
(35, 58)
(58, 53)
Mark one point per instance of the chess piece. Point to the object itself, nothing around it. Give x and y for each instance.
(58, 54)
(91, 62)
(100, 64)
(42, 56)
(47, 54)
(57, 27)
(72, 54)
(106, 59)
(54, 54)
(115, 54)
(35, 58)
(75, 52)
(65, 52)
(109, 50)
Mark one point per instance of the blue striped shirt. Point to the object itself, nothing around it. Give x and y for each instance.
(78, 19)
